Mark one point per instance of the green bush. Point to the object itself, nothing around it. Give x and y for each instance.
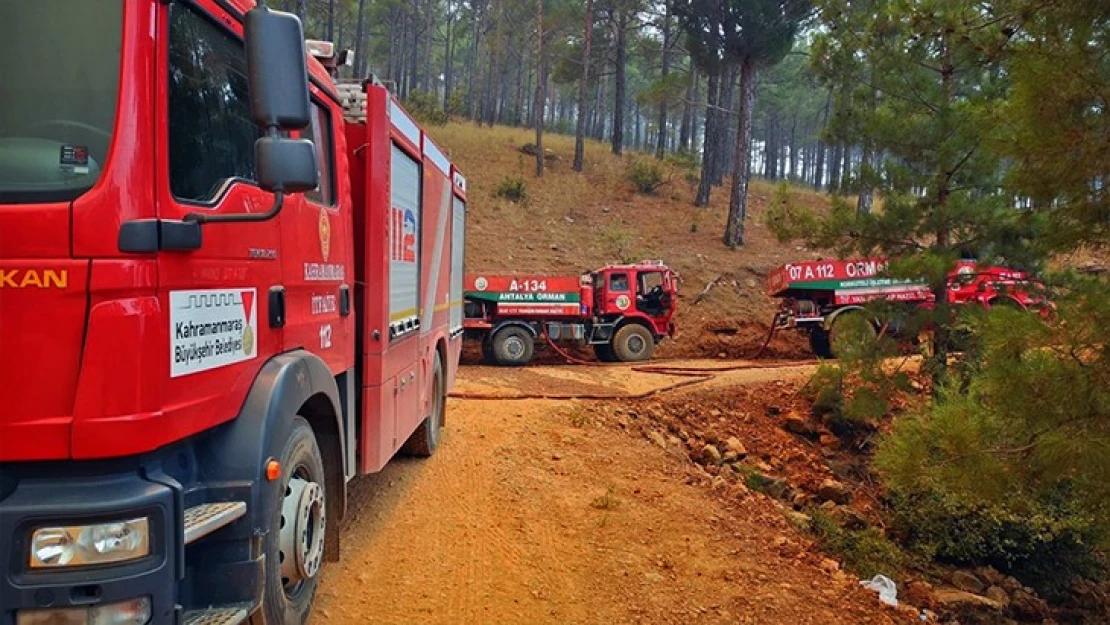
(647, 176)
(456, 103)
(683, 161)
(855, 393)
(425, 107)
(866, 552)
(1010, 465)
(512, 188)
(1044, 545)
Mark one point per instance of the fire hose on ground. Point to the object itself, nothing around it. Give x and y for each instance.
(693, 375)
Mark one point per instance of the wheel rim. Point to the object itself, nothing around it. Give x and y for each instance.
(636, 344)
(437, 405)
(303, 523)
(514, 347)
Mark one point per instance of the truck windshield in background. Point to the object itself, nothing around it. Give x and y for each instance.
(58, 92)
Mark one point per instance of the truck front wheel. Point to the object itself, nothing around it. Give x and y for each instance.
(294, 544)
(513, 346)
(633, 343)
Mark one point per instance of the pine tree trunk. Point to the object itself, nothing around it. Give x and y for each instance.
(472, 65)
(724, 118)
(620, 81)
(793, 173)
(738, 199)
(846, 175)
(709, 142)
(540, 95)
(583, 85)
(599, 111)
(939, 364)
(330, 34)
(769, 147)
(866, 185)
(684, 129)
(360, 52)
(448, 59)
(661, 123)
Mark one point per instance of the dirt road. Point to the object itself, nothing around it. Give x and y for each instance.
(533, 512)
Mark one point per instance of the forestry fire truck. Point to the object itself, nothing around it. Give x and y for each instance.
(817, 296)
(220, 300)
(623, 311)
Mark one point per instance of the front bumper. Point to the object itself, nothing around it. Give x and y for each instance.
(33, 496)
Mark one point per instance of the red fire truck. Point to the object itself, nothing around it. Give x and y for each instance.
(817, 294)
(623, 311)
(220, 300)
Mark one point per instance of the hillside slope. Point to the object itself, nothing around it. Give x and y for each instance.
(571, 222)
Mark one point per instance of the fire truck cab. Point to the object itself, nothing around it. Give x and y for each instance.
(227, 287)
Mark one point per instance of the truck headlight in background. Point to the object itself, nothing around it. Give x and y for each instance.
(84, 545)
(134, 612)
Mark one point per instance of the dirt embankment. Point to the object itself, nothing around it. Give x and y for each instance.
(572, 222)
(539, 512)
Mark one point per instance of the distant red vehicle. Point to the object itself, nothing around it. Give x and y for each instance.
(817, 294)
(623, 311)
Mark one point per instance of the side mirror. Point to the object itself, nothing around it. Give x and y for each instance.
(276, 69)
(278, 75)
(285, 165)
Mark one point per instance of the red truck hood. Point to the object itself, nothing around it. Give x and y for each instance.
(43, 306)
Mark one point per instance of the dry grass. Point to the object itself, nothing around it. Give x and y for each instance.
(572, 222)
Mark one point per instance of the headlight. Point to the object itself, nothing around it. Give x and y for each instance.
(83, 545)
(134, 612)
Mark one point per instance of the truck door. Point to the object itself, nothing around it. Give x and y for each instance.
(224, 300)
(618, 295)
(650, 294)
(314, 235)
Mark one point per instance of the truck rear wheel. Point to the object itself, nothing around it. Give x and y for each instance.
(847, 328)
(425, 439)
(819, 342)
(633, 343)
(294, 544)
(513, 346)
(604, 352)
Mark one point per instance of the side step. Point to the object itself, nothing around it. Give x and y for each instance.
(204, 519)
(216, 616)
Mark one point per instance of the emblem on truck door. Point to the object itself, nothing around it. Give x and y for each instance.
(325, 234)
(211, 328)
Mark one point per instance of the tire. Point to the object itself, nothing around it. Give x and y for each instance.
(287, 601)
(425, 439)
(513, 346)
(633, 343)
(487, 351)
(838, 329)
(604, 352)
(819, 343)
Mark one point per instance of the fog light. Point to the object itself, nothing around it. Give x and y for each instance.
(134, 612)
(82, 545)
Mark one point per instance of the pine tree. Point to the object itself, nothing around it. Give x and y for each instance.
(757, 34)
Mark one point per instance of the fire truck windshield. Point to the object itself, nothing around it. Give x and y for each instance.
(58, 92)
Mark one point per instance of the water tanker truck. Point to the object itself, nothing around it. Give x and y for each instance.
(623, 311)
(818, 296)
